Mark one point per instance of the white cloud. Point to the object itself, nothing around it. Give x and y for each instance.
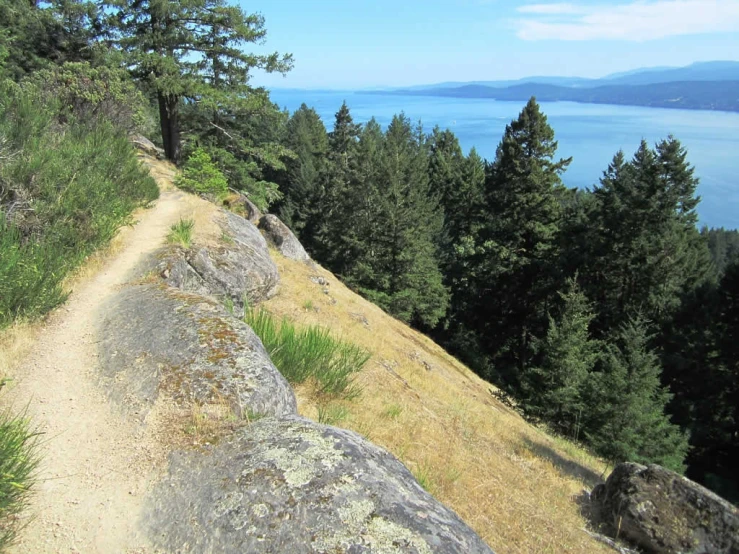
(638, 20)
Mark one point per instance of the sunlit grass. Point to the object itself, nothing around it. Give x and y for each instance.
(181, 233)
(18, 462)
(309, 352)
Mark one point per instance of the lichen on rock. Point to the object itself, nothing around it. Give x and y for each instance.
(292, 485)
(154, 339)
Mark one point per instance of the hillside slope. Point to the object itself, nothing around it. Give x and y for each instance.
(515, 485)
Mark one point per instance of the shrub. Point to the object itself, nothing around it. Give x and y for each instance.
(93, 94)
(64, 192)
(200, 175)
(18, 462)
(309, 353)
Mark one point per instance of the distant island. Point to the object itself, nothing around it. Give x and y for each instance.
(701, 86)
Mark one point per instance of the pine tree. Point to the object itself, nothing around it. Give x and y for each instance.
(189, 49)
(396, 264)
(569, 354)
(625, 418)
(512, 257)
(331, 244)
(306, 136)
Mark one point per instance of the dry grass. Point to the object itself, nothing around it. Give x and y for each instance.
(516, 486)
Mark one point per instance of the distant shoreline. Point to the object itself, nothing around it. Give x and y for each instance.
(722, 96)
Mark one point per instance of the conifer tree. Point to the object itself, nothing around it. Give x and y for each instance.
(511, 259)
(335, 211)
(306, 136)
(554, 388)
(189, 49)
(625, 419)
(397, 265)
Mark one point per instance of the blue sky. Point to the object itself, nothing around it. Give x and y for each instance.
(348, 44)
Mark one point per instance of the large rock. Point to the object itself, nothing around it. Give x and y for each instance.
(291, 485)
(143, 144)
(662, 511)
(283, 238)
(241, 203)
(239, 268)
(154, 339)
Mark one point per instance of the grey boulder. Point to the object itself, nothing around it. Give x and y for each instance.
(143, 144)
(242, 204)
(662, 511)
(154, 339)
(283, 238)
(292, 485)
(239, 268)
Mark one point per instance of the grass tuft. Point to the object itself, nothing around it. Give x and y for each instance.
(309, 353)
(181, 233)
(18, 462)
(332, 414)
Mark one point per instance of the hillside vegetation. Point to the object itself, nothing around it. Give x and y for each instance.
(515, 484)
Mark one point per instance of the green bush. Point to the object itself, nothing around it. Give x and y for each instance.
(200, 175)
(94, 94)
(309, 352)
(18, 462)
(64, 192)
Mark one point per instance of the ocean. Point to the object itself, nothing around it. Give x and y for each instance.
(590, 133)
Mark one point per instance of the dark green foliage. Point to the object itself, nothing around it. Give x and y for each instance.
(200, 175)
(724, 246)
(64, 191)
(35, 37)
(18, 463)
(301, 210)
(192, 50)
(625, 420)
(309, 353)
(512, 258)
(553, 391)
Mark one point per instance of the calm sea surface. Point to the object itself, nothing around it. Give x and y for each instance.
(590, 133)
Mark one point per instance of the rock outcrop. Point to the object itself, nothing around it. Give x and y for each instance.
(283, 238)
(268, 481)
(661, 511)
(291, 485)
(143, 144)
(155, 340)
(239, 268)
(242, 204)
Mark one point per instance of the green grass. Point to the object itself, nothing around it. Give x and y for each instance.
(332, 414)
(66, 187)
(393, 411)
(302, 353)
(181, 233)
(18, 462)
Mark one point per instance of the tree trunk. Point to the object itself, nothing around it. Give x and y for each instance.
(169, 121)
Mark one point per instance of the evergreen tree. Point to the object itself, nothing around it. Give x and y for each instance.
(512, 257)
(644, 251)
(306, 136)
(396, 264)
(189, 50)
(569, 355)
(331, 244)
(625, 419)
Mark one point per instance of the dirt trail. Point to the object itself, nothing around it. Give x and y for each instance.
(97, 464)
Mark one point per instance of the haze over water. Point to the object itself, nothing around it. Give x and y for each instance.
(590, 133)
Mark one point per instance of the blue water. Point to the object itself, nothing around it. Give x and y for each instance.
(590, 133)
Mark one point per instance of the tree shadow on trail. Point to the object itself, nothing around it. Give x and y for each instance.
(565, 465)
